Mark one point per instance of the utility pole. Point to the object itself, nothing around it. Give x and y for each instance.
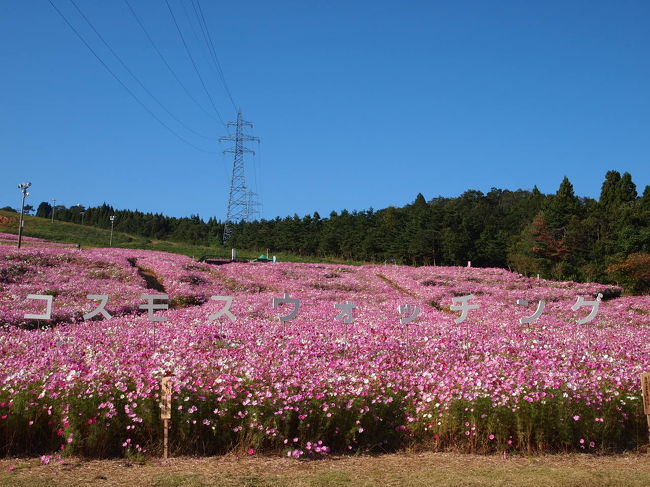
(82, 210)
(112, 219)
(53, 200)
(239, 198)
(23, 187)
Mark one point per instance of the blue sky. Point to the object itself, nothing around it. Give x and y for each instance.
(358, 104)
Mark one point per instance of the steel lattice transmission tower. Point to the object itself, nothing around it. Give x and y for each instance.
(254, 206)
(240, 200)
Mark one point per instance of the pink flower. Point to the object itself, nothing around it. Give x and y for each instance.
(295, 453)
(313, 376)
(251, 451)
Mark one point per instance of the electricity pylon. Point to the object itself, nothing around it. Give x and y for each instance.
(239, 199)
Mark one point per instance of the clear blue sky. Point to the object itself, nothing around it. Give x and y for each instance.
(358, 104)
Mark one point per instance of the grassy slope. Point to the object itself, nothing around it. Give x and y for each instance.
(89, 236)
(404, 469)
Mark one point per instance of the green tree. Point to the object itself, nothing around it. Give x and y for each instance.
(609, 192)
(562, 206)
(44, 210)
(419, 232)
(626, 189)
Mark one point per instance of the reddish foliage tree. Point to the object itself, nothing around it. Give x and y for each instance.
(547, 243)
(633, 273)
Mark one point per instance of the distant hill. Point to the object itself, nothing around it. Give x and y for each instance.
(559, 236)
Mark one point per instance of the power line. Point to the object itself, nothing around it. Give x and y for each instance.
(133, 95)
(257, 168)
(191, 23)
(200, 38)
(193, 62)
(213, 52)
(192, 26)
(164, 60)
(135, 77)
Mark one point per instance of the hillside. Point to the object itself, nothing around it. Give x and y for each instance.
(345, 374)
(89, 236)
(559, 236)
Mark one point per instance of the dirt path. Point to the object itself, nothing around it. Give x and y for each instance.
(404, 469)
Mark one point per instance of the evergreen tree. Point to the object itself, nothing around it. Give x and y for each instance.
(609, 193)
(562, 206)
(645, 199)
(626, 189)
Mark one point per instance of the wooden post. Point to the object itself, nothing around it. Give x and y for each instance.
(166, 438)
(166, 411)
(645, 388)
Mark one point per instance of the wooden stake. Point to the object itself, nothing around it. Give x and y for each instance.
(166, 439)
(166, 411)
(645, 389)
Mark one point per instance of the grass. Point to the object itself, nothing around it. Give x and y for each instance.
(403, 469)
(89, 236)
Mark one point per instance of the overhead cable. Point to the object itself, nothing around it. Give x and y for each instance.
(213, 52)
(166, 63)
(129, 91)
(187, 49)
(119, 59)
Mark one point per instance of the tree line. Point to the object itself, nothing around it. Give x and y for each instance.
(558, 236)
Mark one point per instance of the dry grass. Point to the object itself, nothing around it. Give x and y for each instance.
(403, 469)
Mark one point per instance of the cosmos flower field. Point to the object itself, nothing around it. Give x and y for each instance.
(314, 385)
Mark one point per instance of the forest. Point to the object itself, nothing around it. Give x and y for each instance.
(558, 236)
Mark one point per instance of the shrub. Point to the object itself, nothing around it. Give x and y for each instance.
(633, 273)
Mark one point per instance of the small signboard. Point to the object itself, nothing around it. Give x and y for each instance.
(166, 398)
